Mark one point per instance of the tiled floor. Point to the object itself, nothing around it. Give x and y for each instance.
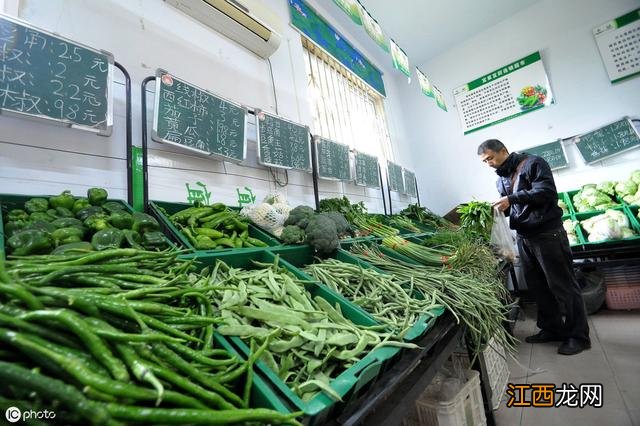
(613, 361)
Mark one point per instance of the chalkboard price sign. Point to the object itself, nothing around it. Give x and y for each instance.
(409, 183)
(193, 118)
(367, 170)
(552, 152)
(282, 143)
(609, 140)
(49, 77)
(394, 173)
(333, 159)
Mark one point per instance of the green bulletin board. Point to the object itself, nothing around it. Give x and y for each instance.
(282, 143)
(333, 159)
(367, 170)
(552, 152)
(609, 140)
(394, 174)
(192, 118)
(49, 77)
(409, 183)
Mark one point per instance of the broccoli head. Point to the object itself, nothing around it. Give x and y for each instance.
(299, 216)
(342, 226)
(292, 234)
(322, 234)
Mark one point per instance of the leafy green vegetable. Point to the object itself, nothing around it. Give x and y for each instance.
(292, 234)
(322, 235)
(300, 216)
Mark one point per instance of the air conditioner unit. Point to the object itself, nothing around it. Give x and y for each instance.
(247, 22)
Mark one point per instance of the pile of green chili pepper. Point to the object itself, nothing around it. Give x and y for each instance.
(390, 300)
(480, 304)
(316, 342)
(214, 227)
(120, 336)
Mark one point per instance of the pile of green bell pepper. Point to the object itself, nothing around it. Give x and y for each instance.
(64, 223)
(214, 227)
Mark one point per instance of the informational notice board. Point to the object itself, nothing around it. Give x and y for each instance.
(282, 143)
(612, 139)
(394, 174)
(517, 88)
(619, 44)
(192, 118)
(409, 183)
(333, 159)
(367, 170)
(45, 76)
(552, 152)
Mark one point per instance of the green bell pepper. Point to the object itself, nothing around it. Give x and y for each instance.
(63, 212)
(78, 247)
(43, 216)
(65, 199)
(79, 204)
(97, 222)
(97, 196)
(15, 226)
(133, 239)
(65, 222)
(89, 211)
(121, 220)
(53, 214)
(153, 240)
(36, 205)
(114, 206)
(110, 238)
(30, 241)
(67, 235)
(41, 225)
(144, 223)
(16, 214)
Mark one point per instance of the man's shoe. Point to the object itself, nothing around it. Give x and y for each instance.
(543, 337)
(573, 346)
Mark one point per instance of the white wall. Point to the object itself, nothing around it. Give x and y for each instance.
(147, 34)
(562, 31)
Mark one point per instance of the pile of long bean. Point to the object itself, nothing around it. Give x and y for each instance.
(118, 337)
(389, 300)
(316, 342)
(479, 304)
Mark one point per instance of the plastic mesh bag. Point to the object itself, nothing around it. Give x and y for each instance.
(270, 215)
(502, 238)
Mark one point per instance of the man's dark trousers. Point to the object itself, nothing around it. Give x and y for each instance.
(547, 265)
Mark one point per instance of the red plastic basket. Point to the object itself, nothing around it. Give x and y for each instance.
(623, 296)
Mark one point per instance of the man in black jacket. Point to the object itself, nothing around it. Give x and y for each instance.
(530, 198)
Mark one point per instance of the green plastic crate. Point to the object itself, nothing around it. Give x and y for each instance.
(565, 197)
(351, 383)
(156, 209)
(302, 256)
(584, 235)
(16, 201)
(632, 214)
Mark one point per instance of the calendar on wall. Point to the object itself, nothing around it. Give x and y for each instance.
(619, 44)
(508, 92)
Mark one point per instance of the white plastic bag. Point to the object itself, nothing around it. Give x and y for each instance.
(502, 238)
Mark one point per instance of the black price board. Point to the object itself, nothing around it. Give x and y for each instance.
(333, 159)
(609, 140)
(409, 183)
(282, 143)
(552, 152)
(193, 118)
(49, 77)
(367, 170)
(394, 173)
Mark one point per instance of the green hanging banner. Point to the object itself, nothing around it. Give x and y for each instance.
(425, 84)
(374, 29)
(351, 8)
(400, 59)
(439, 98)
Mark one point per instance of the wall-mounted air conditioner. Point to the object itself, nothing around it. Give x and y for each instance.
(247, 22)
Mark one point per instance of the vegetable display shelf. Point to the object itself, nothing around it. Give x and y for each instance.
(158, 209)
(303, 256)
(16, 201)
(564, 197)
(350, 383)
(583, 236)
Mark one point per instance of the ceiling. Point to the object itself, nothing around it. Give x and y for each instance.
(426, 28)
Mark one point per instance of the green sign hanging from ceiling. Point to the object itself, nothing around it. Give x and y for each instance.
(314, 27)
